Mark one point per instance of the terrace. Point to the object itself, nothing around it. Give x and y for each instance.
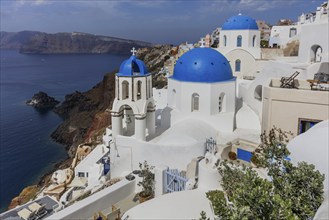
(37, 209)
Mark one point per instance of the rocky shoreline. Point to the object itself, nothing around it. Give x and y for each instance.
(85, 116)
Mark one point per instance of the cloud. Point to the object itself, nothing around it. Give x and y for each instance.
(148, 3)
(32, 2)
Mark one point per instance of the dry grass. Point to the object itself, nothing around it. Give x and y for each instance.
(291, 49)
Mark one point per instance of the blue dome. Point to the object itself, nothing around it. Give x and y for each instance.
(132, 67)
(240, 22)
(202, 65)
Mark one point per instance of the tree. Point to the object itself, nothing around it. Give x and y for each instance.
(147, 182)
(294, 192)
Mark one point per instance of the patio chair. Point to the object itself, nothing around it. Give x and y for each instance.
(27, 214)
(39, 210)
(289, 82)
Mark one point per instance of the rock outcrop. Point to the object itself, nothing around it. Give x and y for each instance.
(41, 100)
(65, 43)
(85, 114)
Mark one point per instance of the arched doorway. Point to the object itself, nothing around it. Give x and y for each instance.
(150, 119)
(258, 92)
(316, 53)
(128, 120)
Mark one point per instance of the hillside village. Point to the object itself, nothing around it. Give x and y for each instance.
(194, 107)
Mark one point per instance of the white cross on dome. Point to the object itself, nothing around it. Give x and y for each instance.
(133, 51)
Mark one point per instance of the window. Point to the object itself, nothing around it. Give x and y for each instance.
(239, 41)
(254, 40)
(195, 102)
(293, 32)
(237, 65)
(305, 124)
(139, 90)
(81, 174)
(125, 90)
(221, 102)
(225, 42)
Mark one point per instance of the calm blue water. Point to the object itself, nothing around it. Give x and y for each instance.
(26, 150)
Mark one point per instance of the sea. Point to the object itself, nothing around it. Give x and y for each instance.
(26, 150)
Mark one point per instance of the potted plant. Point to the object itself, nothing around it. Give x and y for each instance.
(147, 182)
(232, 155)
(254, 160)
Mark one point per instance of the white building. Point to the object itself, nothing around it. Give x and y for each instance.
(240, 44)
(94, 166)
(282, 35)
(312, 58)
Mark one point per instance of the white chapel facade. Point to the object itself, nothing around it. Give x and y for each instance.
(133, 110)
(240, 44)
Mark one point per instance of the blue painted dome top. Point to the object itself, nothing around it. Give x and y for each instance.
(240, 22)
(202, 65)
(132, 67)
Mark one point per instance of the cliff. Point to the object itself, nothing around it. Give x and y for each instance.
(84, 114)
(64, 43)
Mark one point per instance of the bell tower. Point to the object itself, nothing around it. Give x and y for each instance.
(133, 111)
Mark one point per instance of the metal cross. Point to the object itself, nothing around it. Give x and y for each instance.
(133, 51)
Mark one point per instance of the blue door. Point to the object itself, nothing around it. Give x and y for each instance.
(106, 168)
(244, 155)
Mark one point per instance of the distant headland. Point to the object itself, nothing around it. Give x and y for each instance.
(33, 42)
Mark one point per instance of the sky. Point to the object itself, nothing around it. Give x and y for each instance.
(154, 21)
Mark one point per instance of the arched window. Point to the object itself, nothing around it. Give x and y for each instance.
(254, 40)
(237, 65)
(225, 41)
(150, 88)
(125, 90)
(239, 41)
(195, 102)
(139, 90)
